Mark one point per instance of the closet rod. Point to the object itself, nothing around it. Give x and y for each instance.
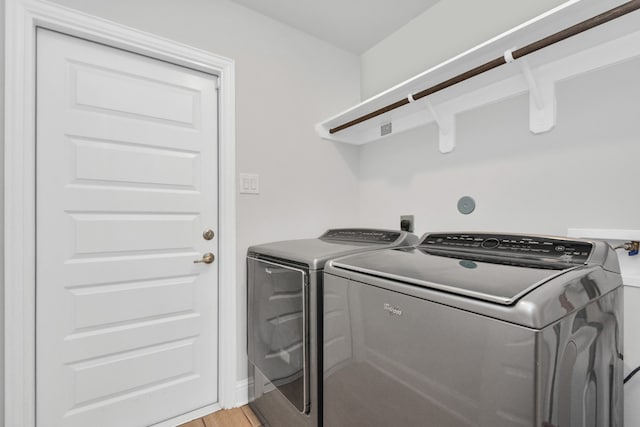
(603, 18)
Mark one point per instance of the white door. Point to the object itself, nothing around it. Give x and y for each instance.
(126, 322)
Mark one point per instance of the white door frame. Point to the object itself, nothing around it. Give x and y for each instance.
(21, 20)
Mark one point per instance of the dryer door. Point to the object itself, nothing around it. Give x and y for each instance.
(278, 327)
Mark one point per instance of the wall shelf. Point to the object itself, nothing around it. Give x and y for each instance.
(608, 44)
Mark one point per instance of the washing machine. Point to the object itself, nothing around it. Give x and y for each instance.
(474, 330)
(284, 320)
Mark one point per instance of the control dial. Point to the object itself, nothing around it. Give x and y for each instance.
(490, 243)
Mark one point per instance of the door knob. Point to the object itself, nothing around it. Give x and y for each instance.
(206, 258)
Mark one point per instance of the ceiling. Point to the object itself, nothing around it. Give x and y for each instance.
(354, 25)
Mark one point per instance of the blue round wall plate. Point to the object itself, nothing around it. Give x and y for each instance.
(466, 205)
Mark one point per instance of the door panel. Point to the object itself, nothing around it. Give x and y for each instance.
(126, 322)
(122, 163)
(155, 100)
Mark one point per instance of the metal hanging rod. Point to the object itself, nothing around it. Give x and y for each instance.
(581, 27)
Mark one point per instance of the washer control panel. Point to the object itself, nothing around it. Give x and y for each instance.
(511, 246)
(362, 235)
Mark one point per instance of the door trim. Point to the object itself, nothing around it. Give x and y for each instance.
(22, 17)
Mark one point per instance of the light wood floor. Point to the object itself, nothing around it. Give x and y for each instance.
(237, 417)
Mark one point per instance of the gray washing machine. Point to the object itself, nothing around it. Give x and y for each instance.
(475, 330)
(284, 320)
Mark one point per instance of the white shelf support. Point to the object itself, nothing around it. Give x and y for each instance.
(542, 97)
(542, 118)
(534, 89)
(542, 100)
(446, 122)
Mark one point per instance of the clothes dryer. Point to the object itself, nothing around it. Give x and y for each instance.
(475, 330)
(284, 320)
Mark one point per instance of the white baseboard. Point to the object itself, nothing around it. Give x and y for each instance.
(242, 392)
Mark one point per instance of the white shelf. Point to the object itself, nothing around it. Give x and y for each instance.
(537, 73)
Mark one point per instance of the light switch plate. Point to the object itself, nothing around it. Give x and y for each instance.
(249, 183)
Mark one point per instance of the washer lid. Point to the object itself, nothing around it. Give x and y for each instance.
(467, 275)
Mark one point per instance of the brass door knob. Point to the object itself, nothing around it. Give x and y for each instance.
(207, 258)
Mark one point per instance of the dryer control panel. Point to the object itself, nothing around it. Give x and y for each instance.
(511, 246)
(362, 235)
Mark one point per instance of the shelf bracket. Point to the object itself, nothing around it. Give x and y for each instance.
(542, 97)
(446, 122)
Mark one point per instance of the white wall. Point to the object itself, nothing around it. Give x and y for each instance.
(286, 82)
(446, 29)
(573, 176)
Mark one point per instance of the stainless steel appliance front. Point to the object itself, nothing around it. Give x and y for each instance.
(285, 320)
(277, 312)
(425, 337)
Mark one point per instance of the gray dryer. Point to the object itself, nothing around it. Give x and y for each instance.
(284, 320)
(475, 330)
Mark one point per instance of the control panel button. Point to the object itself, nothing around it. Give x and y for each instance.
(490, 243)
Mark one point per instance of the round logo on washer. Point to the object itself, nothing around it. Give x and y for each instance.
(468, 264)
